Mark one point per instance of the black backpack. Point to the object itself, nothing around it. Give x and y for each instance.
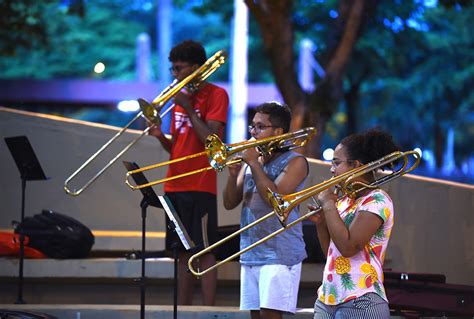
(56, 235)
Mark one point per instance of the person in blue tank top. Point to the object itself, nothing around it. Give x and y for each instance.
(270, 272)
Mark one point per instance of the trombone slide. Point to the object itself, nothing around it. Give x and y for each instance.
(151, 111)
(346, 183)
(221, 155)
(285, 203)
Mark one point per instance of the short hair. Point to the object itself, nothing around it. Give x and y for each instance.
(369, 146)
(188, 51)
(278, 114)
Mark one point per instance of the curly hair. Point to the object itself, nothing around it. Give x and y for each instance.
(369, 146)
(188, 51)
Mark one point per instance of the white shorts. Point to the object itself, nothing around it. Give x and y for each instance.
(269, 286)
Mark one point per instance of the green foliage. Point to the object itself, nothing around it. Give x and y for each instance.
(75, 44)
(211, 23)
(420, 79)
(23, 25)
(211, 30)
(411, 68)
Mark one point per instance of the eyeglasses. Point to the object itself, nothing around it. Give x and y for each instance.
(178, 68)
(258, 127)
(336, 163)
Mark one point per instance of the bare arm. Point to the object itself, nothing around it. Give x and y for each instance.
(321, 228)
(286, 183)
(202, 129)
(166, 142)
(348, 241)
(233, 191)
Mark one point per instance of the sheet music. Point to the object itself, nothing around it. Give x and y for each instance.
(179, 229)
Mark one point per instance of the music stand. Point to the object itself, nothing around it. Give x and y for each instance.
(151, 199)
(30, 170)
(176, 226)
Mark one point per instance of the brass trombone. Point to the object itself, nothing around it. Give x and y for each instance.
(151, 111)
(283, 204)
(221, 155)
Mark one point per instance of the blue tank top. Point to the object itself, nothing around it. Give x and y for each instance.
(286, 248)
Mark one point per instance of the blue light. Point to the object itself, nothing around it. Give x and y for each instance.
(430, 3)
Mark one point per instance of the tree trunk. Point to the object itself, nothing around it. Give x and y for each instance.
(274, 20)
(352, 99)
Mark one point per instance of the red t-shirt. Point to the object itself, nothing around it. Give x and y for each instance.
(210, 103)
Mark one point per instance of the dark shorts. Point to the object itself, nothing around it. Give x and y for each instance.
(198, 214)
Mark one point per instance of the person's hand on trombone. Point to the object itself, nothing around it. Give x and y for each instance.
(155, 129)
(234, 169)
(183, 99)
(318, 216)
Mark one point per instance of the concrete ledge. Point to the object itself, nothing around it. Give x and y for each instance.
(117, 268)
(113, 240)
(111, 281)
(127, 311)
(162, 312)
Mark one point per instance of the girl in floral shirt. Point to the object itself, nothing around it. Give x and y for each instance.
(354, 234)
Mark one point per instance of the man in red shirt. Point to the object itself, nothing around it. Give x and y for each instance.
(196, 115)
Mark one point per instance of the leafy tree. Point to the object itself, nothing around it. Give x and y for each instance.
(70, 45)
(440, 85)
(386, 60)
(421, 72)
(220, 13)
(23, 25)
(277, 29)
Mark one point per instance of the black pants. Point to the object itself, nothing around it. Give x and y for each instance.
(198, 214)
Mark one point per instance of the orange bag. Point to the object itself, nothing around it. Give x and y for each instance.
(10, 246)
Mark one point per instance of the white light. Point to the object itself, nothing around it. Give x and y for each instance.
(128, 106)
(419, 151)
(99, 67)
(238, 112)
(328, 154)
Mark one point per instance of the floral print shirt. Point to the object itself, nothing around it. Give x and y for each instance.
(348, 278)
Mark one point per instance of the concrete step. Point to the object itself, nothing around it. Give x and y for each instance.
(105, 288)
(111, 281)
(156, 312)
(119, 268)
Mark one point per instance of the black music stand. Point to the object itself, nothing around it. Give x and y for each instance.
(30, 170)
(151, 199)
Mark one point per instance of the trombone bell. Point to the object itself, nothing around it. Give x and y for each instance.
(220, 155)
(279, 205)
(149, 112)
(283, 204)
(347, 183)
(217, 152)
